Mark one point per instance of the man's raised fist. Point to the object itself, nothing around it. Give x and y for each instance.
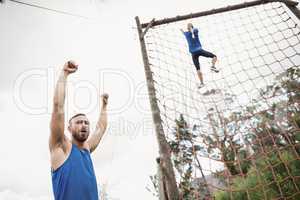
(70, 67)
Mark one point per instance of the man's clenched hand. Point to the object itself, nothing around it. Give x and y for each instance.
(104, 98)
(70, 67)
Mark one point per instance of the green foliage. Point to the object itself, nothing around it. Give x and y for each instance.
(271, 175)
(183, 153)
(153, 188)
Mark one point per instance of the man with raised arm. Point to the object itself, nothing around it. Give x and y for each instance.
(73, 176)
(196, 50)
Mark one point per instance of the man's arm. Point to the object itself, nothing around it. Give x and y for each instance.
(101, 125)
(57, 123)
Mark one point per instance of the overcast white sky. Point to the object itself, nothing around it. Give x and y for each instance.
(34, 45)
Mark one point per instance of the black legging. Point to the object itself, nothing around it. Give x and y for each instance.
(201, 52)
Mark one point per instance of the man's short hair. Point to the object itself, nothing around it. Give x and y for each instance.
(76, 115)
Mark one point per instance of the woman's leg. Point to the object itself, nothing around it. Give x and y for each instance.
(199, 73)
(210, 55)
(214, 60)
(197, 65)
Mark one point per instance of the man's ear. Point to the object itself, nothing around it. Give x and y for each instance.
(69, 128)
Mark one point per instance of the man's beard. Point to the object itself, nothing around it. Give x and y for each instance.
(80, 137)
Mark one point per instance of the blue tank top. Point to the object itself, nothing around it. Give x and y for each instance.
(75, 179)
(193, 42)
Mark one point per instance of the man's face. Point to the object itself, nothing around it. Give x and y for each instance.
(80, 128)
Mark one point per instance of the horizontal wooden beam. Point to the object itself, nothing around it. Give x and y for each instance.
(288, 3)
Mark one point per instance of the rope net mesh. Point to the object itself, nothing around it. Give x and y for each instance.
(238, 137)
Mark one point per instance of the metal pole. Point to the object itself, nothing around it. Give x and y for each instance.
(288, 3)
(164, 148)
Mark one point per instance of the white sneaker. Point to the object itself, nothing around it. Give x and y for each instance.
(214, 69)
(201, 85)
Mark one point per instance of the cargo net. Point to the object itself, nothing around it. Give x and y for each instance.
(238, 137)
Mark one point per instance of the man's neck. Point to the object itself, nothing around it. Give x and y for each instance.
(80, 145)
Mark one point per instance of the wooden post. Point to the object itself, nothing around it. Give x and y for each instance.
(294, 10)
(161, 182)
(164, 148)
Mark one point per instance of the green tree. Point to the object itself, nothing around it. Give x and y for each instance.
(184, 153)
